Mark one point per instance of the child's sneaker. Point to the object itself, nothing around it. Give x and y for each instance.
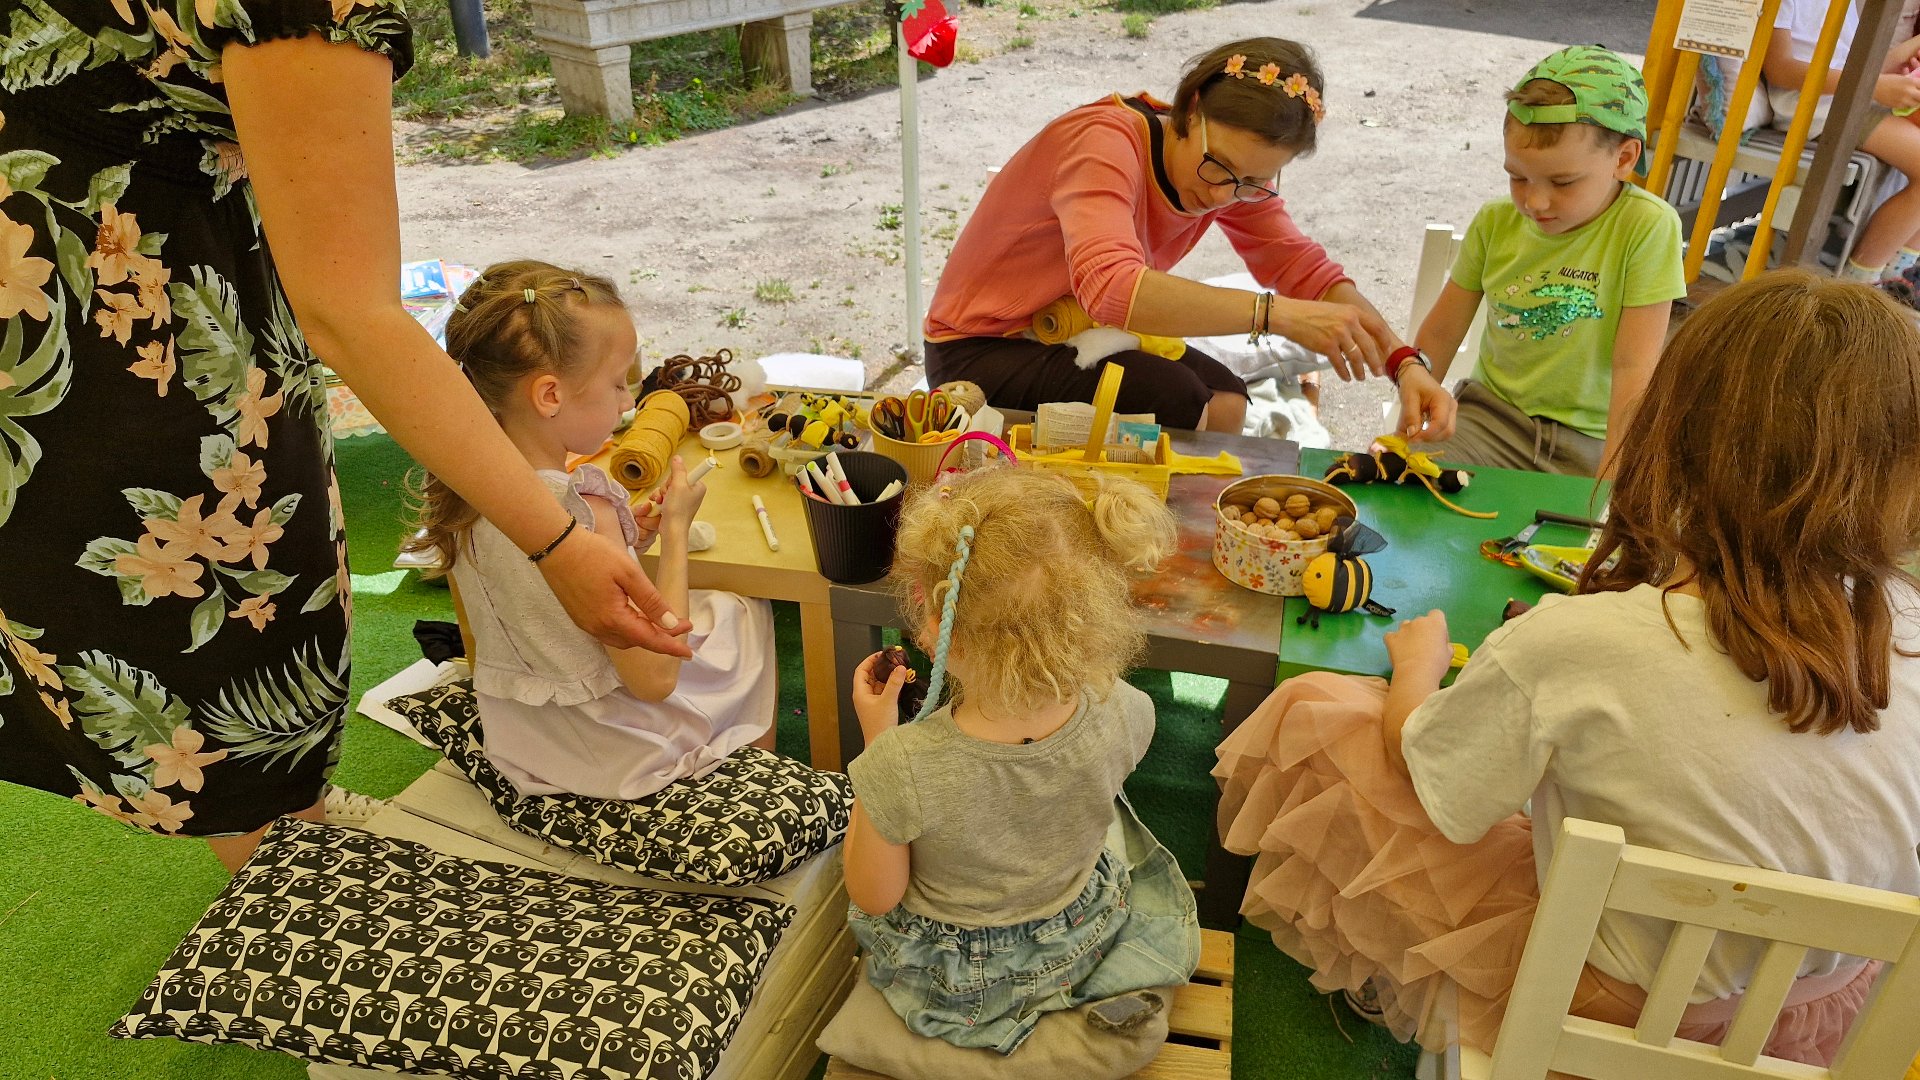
(1365, 1003)
(350, 807)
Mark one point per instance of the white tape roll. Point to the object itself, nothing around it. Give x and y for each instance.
(722, 436)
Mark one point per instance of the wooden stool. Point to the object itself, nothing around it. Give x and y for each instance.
(1200, 1043)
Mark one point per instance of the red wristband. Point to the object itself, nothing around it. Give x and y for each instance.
(1397, 357)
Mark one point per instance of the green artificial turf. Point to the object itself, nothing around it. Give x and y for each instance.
(90, 909)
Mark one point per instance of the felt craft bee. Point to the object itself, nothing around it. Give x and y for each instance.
(1340, 580)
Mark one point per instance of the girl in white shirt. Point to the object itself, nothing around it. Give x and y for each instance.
(1739, 684)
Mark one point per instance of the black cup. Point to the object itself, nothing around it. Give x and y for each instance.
(854, 544)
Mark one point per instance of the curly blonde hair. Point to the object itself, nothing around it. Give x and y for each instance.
(1045, 607)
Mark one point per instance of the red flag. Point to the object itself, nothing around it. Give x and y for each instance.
(930, 32)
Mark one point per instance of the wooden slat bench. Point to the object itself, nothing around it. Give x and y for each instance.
(1200, 1046)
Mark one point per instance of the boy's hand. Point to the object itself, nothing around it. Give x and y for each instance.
(1426, 408)
(1419, 649)
(1897, 91)
(878, 709)
(679, 500)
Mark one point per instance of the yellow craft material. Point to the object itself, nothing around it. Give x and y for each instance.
(815, 434)
(1423, 468)
(964, 395)
(641, 453)
(1065, 317)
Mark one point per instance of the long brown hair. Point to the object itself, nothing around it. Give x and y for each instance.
(520, 318)
(1770, 466)
(1249, 104)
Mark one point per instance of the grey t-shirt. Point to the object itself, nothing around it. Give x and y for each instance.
(1002, 834)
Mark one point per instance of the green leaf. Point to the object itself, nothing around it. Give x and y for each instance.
(283, 509)
(70, 252)
(133, 593)
(208, 616)
(122, 708)
(191, 100)
(44, 48)
(23, 631)
(102, 554)
(24, 169)
(284, 716)
(323, 595)
(6, 684)
(107, 186)
(260, 582)
(149, 503)
(151, 243)
(216, 452)
(214, 347)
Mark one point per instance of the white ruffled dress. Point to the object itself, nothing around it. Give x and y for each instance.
(554, 714)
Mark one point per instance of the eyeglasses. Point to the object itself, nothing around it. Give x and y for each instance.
(1216, 172)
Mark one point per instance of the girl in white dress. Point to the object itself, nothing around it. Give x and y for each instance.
(552, 353)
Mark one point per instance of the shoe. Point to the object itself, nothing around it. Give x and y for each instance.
(1903, 289)
(350, 807)
(1365, 1003)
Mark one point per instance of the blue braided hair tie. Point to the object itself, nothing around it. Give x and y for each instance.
(938, 682)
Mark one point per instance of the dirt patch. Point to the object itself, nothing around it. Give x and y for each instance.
(803, 204)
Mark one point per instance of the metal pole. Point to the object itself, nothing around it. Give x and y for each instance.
(1846, 126)
(470, 28)
(909, 189)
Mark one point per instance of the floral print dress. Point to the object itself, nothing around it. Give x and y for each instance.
(173, 568)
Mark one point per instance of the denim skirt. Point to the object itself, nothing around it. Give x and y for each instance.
(1134, 926)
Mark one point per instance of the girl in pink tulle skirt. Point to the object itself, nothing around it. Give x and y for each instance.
(1736, 679)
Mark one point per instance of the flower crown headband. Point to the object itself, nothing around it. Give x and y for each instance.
(1294, 85)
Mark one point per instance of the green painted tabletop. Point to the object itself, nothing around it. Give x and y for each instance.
(1432, 560)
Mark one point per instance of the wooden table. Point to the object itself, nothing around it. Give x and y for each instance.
(740, 562)
(1197, 620)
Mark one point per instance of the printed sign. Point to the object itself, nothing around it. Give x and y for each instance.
(1719, 27)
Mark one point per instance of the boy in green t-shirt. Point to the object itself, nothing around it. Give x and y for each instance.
(1579, 269)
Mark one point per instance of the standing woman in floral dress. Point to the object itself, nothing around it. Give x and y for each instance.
(196, 198)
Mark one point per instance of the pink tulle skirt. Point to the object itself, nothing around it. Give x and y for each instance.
(1354, 881)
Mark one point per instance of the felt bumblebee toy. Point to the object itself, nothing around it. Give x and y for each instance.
(1391, 461)
(1340, 580)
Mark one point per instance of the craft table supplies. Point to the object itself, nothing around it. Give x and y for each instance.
(641, 453)
(853, 540)
(766, 526)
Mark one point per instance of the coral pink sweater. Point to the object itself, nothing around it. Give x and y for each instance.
(1078, 210)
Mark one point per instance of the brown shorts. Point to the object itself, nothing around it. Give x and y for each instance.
(1488, 430)
(1017, 373)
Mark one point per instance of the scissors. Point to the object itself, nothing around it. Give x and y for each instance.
(1507, 551)
(889, 418)
(927, 412)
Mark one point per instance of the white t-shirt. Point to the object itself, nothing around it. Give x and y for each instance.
(1802, 19)
(1590, 706)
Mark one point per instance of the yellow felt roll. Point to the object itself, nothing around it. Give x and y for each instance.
(641, 453)
(1065, 317)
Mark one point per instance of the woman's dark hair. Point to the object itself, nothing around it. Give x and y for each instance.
(1266, 109)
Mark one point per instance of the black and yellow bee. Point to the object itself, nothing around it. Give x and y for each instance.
(1340, 580)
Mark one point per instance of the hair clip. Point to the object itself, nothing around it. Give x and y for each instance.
(574, 284)
(946, 491)
(457, 306)
(528, 293)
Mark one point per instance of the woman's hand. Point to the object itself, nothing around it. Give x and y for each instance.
(1354, 340)
(1426, 408)
(610, 597)
(879, 709)
(1419, 650)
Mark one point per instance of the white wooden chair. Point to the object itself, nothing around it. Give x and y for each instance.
(1594, 869)
(1437, 251)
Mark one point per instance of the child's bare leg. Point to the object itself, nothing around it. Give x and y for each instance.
(234, 850)
(1896, 141)
(1226, 412)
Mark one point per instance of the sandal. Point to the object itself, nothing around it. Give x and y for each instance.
(1365, 1003)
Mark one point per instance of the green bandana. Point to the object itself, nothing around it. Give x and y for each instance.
(1607, 91)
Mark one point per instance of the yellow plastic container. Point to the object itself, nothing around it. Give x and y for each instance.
(921, 460)
(1085, 465)
(1262, 563)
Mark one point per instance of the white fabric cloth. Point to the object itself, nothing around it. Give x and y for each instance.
(554, 713)
(1802, 20)
(1591, 706)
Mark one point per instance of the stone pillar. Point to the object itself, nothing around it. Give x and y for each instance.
(593, 81)
(779, 51)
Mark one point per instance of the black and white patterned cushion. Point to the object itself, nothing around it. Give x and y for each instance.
(344, 947)
(755, 817)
